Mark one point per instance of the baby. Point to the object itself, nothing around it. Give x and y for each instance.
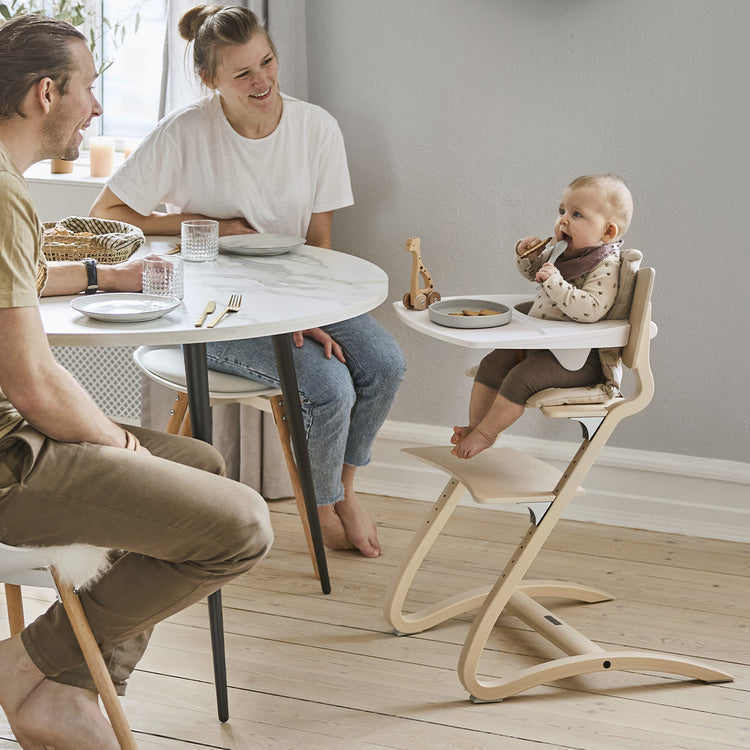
(594, 213)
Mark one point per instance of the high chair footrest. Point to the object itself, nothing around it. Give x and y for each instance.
(496, 475)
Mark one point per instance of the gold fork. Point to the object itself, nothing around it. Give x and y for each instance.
(234, 306)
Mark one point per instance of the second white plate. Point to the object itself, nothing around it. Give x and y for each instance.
(124, 307)
(260, 244)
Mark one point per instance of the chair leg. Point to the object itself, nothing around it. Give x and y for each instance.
(178, 414)
(95, 663)
(14, 602)
(279, 417)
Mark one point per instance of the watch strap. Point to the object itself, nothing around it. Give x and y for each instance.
(92, 280)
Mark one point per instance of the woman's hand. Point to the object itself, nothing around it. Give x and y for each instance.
(318, 334)
(237, 225)
(547, 270)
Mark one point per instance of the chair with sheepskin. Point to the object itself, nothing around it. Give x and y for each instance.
(66, 569)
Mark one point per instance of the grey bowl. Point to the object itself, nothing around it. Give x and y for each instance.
(440, 313)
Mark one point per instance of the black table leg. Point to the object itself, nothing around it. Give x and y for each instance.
(200, 419)
(282, 347)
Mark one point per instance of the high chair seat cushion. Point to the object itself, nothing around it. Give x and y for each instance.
(586, 394)
(167, 363)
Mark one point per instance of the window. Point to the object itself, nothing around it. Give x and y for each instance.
(131, 86)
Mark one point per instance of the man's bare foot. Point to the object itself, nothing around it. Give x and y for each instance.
(20, 679)
(44, 714)
(473, 444)
(332, 528)
(65, 718)
(459, 433)
(359, 525)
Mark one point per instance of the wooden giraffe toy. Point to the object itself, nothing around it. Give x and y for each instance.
(419, 298)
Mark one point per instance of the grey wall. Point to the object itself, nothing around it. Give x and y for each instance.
(465, 120)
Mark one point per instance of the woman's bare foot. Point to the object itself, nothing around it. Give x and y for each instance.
(359, 525)
(332, 528)
(46, 714)
(473, 443)
(459, 433)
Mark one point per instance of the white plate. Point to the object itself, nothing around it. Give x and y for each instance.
(260, 244)
(124, 307)
(443, 313)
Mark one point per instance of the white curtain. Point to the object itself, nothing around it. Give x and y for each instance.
(246, 437)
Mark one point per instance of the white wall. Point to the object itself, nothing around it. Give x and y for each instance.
(465, 120)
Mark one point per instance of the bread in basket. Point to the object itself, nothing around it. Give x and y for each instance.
(78, 237)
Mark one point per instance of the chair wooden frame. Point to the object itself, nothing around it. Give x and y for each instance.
(48, 577)
(501, 475)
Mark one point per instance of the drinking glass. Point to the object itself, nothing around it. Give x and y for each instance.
(200, 240)
(164, 276)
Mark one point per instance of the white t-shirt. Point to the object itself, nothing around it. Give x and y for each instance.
(196, 161)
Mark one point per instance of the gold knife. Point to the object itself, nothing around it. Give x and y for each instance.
(207, 310)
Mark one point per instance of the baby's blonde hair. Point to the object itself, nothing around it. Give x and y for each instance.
(616, 193)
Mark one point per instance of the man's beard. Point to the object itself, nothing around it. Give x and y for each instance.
(56, 146)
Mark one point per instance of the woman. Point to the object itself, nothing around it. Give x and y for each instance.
(259, 161)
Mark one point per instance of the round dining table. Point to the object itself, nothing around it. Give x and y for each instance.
(306, 287)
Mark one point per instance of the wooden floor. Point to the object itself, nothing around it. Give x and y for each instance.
(324, 672)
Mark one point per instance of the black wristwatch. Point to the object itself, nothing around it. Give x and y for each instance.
(92, 282)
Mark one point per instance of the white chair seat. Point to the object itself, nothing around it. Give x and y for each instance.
(165, 365)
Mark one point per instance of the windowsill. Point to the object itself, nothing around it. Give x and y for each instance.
(40, 172)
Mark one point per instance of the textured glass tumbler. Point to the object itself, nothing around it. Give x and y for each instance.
(200, 240)
(164, 276)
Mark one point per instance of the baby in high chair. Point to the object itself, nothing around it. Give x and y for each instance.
(581, 285)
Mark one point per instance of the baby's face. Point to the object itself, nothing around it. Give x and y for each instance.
(583, 217)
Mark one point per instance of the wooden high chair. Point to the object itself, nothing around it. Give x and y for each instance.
(505, 475)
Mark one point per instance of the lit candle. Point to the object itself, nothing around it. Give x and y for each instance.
(102, 156)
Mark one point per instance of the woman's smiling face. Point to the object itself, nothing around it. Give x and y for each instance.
(247, 77)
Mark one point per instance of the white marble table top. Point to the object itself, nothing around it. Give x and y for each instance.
(306, 288)
(568, 340)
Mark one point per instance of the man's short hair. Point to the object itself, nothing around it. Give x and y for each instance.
(33, 47)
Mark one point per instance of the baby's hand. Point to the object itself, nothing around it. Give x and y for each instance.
(547, 270)
(523, 246)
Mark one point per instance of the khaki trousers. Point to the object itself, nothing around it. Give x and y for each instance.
(182, 530)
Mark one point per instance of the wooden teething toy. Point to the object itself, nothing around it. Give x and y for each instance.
(419, 298)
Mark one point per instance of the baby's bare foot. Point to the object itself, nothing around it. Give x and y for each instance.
(459, 433)
(473, 444)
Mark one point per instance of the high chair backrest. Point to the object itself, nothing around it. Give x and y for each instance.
(574, 402)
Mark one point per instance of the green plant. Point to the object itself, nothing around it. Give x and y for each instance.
(101, 33)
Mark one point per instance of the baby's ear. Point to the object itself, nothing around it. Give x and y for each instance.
(610, 232)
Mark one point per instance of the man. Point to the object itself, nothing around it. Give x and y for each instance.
(68, 473)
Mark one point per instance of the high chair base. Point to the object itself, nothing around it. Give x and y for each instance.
(511, 593)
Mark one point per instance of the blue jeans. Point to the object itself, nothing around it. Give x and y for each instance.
(343, 405)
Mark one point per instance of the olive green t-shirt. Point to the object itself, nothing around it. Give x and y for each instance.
(21, 239)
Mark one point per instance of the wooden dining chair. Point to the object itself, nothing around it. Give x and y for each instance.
(505, 475)
(52, 567)
(165, 365)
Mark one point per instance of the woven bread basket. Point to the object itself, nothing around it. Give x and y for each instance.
(108, 242)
